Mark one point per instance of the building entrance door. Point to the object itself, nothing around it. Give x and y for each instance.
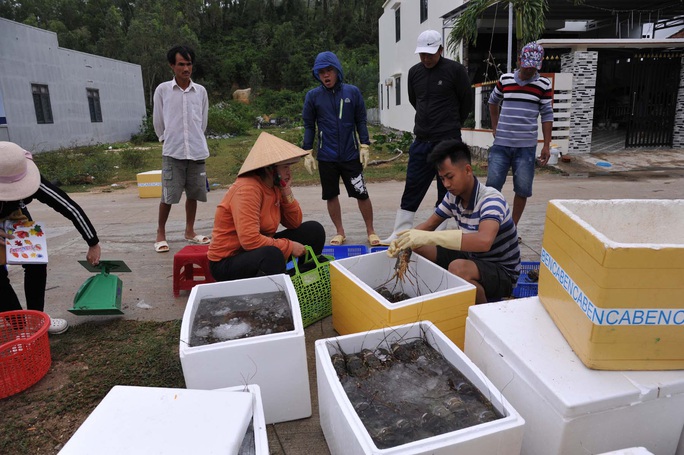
(652, 98)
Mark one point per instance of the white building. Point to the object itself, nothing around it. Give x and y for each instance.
(590, 46)
(400, 25)
(52, 97)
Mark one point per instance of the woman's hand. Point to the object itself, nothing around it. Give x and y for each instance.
(298, 249)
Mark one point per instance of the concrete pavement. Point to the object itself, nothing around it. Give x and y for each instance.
(126, 226)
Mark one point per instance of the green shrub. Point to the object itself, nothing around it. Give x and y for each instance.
(280, 103)
(229, 118)
(78, 166)
(146, 133)
(132, 159)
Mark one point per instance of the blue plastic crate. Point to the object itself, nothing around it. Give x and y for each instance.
(375, 249)
(526, 287)
(345, 251)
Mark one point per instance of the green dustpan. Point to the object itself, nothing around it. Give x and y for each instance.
(101, 293)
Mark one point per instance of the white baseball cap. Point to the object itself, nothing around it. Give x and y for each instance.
(429, 42)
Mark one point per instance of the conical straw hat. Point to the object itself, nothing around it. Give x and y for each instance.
(269, 150)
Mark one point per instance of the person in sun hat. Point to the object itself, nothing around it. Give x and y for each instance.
(439, 90)
(338, 110)
(515, 103)
(20, 184)
(245, 240)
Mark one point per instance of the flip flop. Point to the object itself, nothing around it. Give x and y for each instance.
(161, 247)
(338, 240)
(199, 240)
(374, 240)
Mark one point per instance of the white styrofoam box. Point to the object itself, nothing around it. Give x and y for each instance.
(275, 362)
(346, 434)
(258, 419)
(629, 451)
(680, 447)
(569, 408)
(144, 420)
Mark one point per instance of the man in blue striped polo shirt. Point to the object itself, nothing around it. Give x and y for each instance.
(525, 95)
(484, 250)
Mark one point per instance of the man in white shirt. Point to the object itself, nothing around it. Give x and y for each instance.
(181, 109)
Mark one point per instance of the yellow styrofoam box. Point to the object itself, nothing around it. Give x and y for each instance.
(435, 295)
(612, 279)
(149, 184)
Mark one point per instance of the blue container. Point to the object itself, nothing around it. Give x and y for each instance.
(340, 252)
(345, 251)
(526, 287)
(375, 249)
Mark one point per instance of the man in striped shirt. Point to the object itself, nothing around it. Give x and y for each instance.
(484, 250)
(525, 95)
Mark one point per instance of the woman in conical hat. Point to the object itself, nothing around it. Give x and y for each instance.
(245, 242)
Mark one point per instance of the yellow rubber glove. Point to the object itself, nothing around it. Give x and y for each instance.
(415, 238)
(310, 162)
(364, 154)
(392, 250)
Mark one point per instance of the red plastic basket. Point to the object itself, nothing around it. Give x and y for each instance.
(24, 350)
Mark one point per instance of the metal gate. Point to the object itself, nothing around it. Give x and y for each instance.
(653, 96)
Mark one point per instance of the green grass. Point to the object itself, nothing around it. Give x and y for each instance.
(121, 163)
(87, 361)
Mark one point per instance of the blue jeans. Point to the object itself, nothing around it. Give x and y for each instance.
(520, 159)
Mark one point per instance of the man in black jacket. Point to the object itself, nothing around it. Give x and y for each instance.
(439, 89)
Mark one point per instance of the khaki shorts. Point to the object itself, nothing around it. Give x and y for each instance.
(183, 175)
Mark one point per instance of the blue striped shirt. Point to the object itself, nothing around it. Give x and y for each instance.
(523, 102)
(486, 203)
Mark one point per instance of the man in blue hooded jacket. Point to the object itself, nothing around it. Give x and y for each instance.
(343, 143)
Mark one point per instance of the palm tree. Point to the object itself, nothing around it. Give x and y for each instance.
(529, 21)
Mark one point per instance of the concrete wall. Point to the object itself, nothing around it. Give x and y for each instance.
(30, 55)
(397, 57)
(583, 66)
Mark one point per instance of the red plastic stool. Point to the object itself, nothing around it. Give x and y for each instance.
(191, 267)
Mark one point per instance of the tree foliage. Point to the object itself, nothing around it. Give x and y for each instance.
(530, 16)
(265, 44)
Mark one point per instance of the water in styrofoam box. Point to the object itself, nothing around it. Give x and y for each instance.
(445, 401)
(345, 431)
(240, 316)
(275, 361)
(376, 270)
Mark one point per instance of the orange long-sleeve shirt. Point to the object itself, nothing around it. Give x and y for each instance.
(248, 217)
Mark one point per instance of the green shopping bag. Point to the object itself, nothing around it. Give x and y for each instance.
(311, 281)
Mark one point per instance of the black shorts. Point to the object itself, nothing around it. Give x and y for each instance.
(352, 177)
(493, 277)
